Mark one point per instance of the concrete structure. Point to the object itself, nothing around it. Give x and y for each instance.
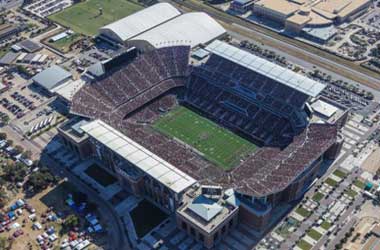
(74, 138)
(206, 219)
(296, 15)
(52, 77)
(7, 30)
(241, 6)
(173, 176)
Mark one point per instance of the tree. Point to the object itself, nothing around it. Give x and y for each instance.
(27, 154)
(41, 179)
(71, 221)
(9, 142)
(14, 172)
(3, 136)
(3, 199)
(19, 149)
(4, 243)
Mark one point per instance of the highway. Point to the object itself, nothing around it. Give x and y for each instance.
(288, 45)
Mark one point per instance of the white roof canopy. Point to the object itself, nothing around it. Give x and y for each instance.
(136, 154)
(266, 68)
(191, 29)
(141, 21)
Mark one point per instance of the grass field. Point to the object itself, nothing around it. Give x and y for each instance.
(218, 144)
(84, 17)
(65, 43)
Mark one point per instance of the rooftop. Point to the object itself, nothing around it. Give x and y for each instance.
(191, 29)
(29, 46)
(207, 214)
(146, 161)
(68, 89)
(284, 7)
(52, 77)
(324, 108)
(267, 68)
(142, 21)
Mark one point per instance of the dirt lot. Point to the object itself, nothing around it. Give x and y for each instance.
(372, 163)
(53, 197)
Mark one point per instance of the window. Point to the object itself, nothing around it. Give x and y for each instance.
(201, 238)
(184, 226)
(224, 229)
(216, 236)
(192, 231)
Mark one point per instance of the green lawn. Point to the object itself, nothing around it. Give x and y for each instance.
(325, 225)
(303, 212)
(340, 173)
(351, 193)
(317, 197)
(218, 144)
(331, 182)
(359, 184)
(84, 17)
(65, 43)
(304, 245)
(314, 234)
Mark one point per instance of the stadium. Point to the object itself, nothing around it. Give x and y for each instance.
(215, 141)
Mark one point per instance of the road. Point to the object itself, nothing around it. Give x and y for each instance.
(315, 56)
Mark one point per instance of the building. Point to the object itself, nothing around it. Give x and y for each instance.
(162, 25)
(7, 30)
(51, 77)
(241, 6)
(190, 29)
(139, 22)
(207, 218)
(264, 102)
(295, 15)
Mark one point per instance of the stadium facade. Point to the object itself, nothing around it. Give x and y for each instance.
(255, 98)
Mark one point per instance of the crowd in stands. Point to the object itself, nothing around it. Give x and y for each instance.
(148, 76)
(255, 105)
(234, 96)
(271, 169)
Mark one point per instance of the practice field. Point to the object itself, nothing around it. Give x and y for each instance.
(218, 144)
(84, 17)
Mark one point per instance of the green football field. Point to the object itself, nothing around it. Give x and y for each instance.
(218, 144)
(84, 17)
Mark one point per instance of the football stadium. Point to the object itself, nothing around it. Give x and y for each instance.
(230, 138)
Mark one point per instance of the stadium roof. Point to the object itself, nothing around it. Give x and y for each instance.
(52, 77)
(188, 29)
(266, 68)
(146, 161)
(141, 21)
(68, 89)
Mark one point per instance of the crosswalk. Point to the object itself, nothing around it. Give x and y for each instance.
(352, 132)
